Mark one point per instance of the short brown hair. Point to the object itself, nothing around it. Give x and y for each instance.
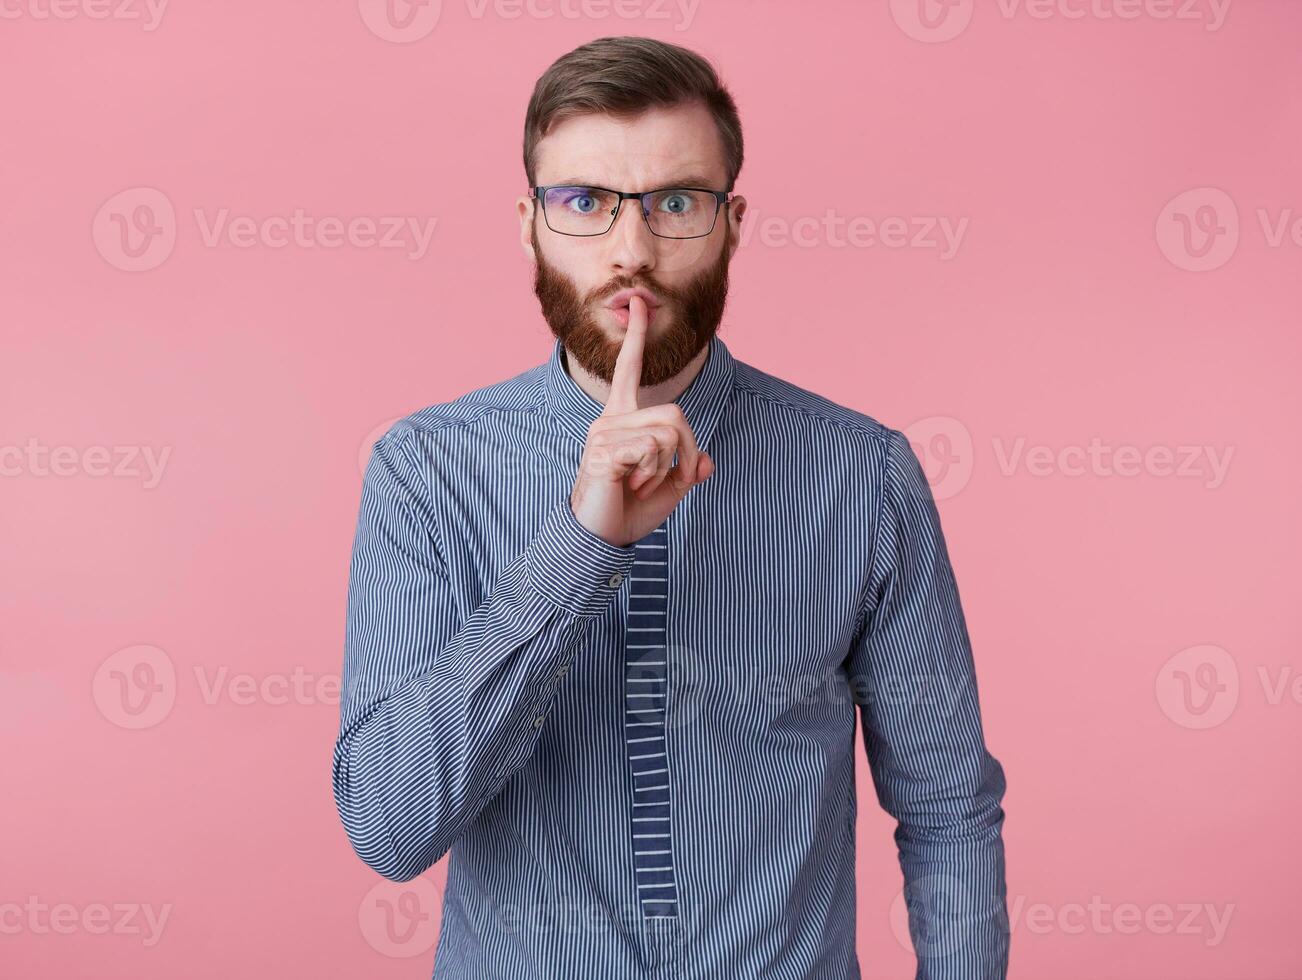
(624, 76)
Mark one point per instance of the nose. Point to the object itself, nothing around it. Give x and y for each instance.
(632, 246)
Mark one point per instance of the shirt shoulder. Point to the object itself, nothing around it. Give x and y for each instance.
(767, 394)
(522, 393)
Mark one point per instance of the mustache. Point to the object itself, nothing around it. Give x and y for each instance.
(663, 293)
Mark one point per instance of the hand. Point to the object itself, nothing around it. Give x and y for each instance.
(626, 487)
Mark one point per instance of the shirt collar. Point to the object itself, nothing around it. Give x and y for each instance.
(703, 402)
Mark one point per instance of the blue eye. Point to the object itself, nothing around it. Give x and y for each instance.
(581, 201)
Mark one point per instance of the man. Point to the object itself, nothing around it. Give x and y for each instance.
(610, 620)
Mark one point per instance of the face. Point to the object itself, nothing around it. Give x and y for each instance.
(576, 278)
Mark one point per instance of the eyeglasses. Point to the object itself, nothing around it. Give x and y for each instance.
(672, 212)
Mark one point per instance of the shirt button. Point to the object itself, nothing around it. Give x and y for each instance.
(615, 580)
(562, 671)
(537, 722)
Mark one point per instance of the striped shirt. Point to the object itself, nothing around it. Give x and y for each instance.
(641, 760)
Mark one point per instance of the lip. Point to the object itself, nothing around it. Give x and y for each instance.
(621, 299)
(621, 314)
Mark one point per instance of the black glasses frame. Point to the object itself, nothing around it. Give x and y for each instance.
(721, 198)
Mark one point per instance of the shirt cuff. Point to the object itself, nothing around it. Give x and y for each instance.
(573, 567)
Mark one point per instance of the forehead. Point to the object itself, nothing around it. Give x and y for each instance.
(639, 153)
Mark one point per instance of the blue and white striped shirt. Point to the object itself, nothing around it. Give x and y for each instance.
(641, 759)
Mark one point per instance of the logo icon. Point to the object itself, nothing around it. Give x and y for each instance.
(400, 21)
(368, 443)
(1199, 230)
(135, 687)
(943, 446)
(1198, 687)
(135, 230)
(398, 918)
(932, 21)
(932, 916)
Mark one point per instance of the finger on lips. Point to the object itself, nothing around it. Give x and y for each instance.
(670, 430)
(627, 376)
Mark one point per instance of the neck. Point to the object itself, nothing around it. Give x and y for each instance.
(648, 396)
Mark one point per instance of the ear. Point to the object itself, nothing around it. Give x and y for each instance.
(525, 206)
(736, 210)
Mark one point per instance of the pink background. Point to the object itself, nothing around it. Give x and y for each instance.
(1121, 277)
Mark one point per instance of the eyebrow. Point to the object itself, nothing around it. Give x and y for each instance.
(688, 180)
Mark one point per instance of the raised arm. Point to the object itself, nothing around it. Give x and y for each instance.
(912, 674)
(438, 712)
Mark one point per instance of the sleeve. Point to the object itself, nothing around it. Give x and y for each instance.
(913, 678)
(436, 714)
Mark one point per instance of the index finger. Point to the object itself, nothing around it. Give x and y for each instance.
(627, 377)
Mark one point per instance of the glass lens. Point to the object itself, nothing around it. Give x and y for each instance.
(681, 213)
(578, 210)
